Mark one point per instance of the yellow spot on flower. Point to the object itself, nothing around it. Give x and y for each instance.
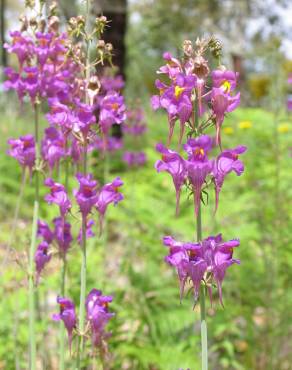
(228, 130)
(243, 125)
(283, 128)
(226, 85)
(115, 106)
(178, 91)
(199, 151)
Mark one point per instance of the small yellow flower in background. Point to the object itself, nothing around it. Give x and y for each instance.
(228, 130)
(243, 125)
(283, 128)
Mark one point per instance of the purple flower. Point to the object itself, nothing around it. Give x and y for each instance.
(60, 115)
(58, 195)
(222, 102)
(111, 84)
(45, 232)
(62, 234)
(193, 260)
(174, 164)
(225, 79)
(84, 118)
(86, 195)
(23, 150)
(134, 158)
(225, 163)
(89, 232)
(42, 49)
(41, 258)
(176, 100)
(112, 111)
(198, 165)
(173, 66)
(53, 146)
(67, 315)
(98, 316)
(109, 193)
(21, 46)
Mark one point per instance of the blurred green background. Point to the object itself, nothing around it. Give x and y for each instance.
(152, 330)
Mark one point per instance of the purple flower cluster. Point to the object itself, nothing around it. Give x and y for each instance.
(134, 158)
(23, 150)
(88, 196)
(198, 105)
(194, 170)
(97, 315)
(206, 260)
(187, 84)
(53, 73)
(61, 236)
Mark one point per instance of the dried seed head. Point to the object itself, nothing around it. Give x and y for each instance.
(201, 67)
(42, 25)
(54, 23)
(93, 88)
(33, 22)
(24, 23)
(188, 48)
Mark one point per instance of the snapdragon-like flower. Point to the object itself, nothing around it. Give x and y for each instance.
(60, 115)
(112, 111)
(67, 315)
(98, 316)
(58, 195)
(198, 165)
(109, 83)
(205, 261)
(176, 100)
(62, 234)
(225, 163)
(109, 193)
(23, 150)
(85, 118)
(45, 232)
(174, 164)
(224, 82)
(41, 258)
(53, 147)
(21, 45)
(86, 196)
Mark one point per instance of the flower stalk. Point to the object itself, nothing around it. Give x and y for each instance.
(84, 219)
(31, 287)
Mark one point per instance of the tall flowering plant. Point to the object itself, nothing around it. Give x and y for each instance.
(54, 69)
(199, 99)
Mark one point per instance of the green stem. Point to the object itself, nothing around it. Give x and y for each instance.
(62, 327)
(204, 338)
(31, 292)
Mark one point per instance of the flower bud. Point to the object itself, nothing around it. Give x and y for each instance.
(33, 22)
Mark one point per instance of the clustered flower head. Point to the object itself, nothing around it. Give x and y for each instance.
(97, 315)
(206, 260)
(187, 83)
(199, 99)
(194, 170)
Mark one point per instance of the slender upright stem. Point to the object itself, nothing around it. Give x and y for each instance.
(204, 338)
(62, 327)
(63, 276)
(83, 247)
(31, 292)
